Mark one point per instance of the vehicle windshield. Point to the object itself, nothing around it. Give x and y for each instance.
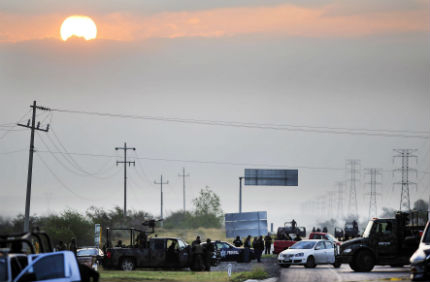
(302, 245)
(366, 233)
(86, 252)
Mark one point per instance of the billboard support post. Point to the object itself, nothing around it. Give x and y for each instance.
(240, 194)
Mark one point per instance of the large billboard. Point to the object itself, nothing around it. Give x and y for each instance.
(246, 223)
(271, 177)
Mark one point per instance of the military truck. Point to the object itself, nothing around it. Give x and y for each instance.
(155, 252)
(385, 241)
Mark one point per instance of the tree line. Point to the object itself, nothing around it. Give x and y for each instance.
(70, 223)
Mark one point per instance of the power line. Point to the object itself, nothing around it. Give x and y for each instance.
(268, 126)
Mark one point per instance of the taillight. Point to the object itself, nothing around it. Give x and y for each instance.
(108, 255)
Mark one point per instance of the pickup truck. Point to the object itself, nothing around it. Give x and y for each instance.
(156, 252)
(281, 245)
(20, 262)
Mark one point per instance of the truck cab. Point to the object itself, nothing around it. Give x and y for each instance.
(388, 241)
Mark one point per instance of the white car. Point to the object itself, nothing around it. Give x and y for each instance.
(309, 253)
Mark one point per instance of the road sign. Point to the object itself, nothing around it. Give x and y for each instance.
(271, 177)
(246, 223)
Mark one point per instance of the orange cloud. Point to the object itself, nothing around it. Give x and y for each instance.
(282, 20)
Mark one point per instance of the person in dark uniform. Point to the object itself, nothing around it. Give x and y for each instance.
(237, 242)
(171, 256)
(119, 244)
(259, 247)
(208, 253)
(61, 246)
(142, 239)
(73, 246)
(267, 243)
(325, 229)
(247, 246)
(196, 242)
(247, 243)
(313, 229)
(293, 224)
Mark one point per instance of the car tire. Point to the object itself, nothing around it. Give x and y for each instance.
(364, 262)
(285, 265)
(127, 264)
(310, 262)
(336, 264)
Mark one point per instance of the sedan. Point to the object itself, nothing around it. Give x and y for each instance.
(309, 253)
(90, 256)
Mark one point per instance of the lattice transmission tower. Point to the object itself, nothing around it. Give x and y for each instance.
(353, 171)
(373, 174)
(405, 155)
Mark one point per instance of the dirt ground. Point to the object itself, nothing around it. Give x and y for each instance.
(269, 264)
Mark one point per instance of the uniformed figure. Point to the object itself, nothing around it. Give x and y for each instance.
(172, 256)
(197, 255)
(313, 229)
(267, 243)
(142, 240)
(61, 246)
(196, 242)
(325, 229)
(237, 242)
(247, 246)
(293, 224)
(119, 244)
(208, 253)
(247, 243)
(258, 246)
(73, 246)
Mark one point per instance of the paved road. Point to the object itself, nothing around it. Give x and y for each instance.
(327, 273)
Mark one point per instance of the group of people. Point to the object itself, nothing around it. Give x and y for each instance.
(72, 246)
(258, 244)
(202, 254)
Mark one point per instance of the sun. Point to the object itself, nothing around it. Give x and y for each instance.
(80, 26)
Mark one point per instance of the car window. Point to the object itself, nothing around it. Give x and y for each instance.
(181, 244)
(316, 236)
(328, 245)
(158, 244)
(320, 246)
(384, 228)
(426, 238)
(49, 267)
(225, 245)
(219, 245)
(3, 268)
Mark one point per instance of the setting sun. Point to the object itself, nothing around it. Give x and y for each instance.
(79, 26)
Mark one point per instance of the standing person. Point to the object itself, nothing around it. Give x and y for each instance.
(73, 246)
(237, 242)
(247, 246)
(61, 246)
(267, 243)
(259, 247)
(208, 253)
(196, 242)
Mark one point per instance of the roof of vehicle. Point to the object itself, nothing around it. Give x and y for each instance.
(319, 233)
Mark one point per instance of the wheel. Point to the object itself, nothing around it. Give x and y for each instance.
(127, 264)
(336, 264)
(363, 262)
(285, 265)
(310, 262)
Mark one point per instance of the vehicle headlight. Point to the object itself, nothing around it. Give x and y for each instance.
(299, 255)
(347, 251)
(418, 257)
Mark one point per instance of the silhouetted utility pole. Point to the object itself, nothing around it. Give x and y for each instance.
(340, 192)
(331, 207)
(405, 155)
(125, 162)
(33, 128)
(353, 171)
(161, 189)
(373, 173)
(183, 175)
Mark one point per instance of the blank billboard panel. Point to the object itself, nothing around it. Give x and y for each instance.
(271, 177)
(246, 223)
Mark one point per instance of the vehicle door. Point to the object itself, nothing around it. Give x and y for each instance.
(157, 252)
(384, 238)
(232, 252)
(319, 253)
(58, 267)
(329, 251)
(222, 250)
(183, 253)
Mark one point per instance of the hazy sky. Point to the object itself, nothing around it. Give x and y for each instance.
(342, 64)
